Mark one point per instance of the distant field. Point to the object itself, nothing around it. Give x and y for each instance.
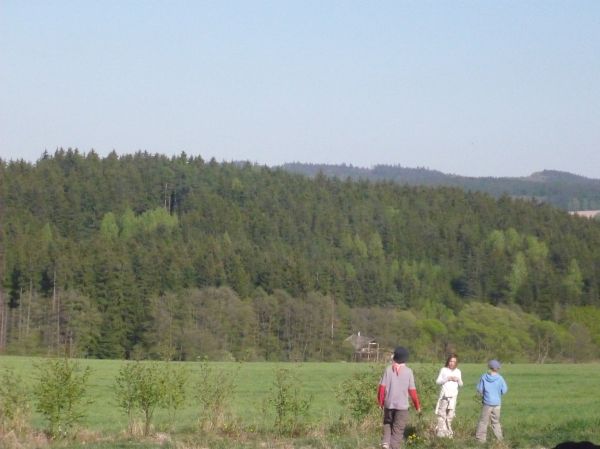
(546, 404)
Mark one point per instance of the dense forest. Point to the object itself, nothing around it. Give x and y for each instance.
(561, 189)
(148, 256)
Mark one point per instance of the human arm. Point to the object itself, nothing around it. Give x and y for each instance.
(459, 378)
(412, 392)
(480, 386)
(447, 375)
(414, 396)
(441, 379)
(381, 390)
(381, 395)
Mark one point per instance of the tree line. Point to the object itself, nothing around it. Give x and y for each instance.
(561, 189)
(145, 255)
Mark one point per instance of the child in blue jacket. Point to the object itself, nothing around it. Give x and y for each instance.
(491, 387)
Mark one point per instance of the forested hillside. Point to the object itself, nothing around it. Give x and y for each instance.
(561, 189)
(148, 256)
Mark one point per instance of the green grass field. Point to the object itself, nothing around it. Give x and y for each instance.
(545, 405)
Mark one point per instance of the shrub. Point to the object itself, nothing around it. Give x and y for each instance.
(358, 394)
(287, 400)
(425, 376)
(214, 391)
(15, 408)
(60, 394)
(176, 379)
(141, 387)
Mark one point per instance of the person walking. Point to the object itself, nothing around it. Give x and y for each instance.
(491, 387)
(397, 384)
(450, 380)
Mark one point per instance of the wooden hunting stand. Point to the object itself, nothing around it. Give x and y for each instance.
(366, 349)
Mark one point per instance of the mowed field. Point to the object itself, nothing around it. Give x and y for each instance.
(545, 405)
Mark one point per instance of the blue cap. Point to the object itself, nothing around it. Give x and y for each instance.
(494, 364)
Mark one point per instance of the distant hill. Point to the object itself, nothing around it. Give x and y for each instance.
(184, 258)
(561, 189)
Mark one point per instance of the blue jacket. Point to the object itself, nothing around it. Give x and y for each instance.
(492, 387)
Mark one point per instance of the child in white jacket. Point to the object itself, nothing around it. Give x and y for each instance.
(450, 379)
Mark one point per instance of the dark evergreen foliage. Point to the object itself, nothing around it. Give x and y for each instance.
(145, 255)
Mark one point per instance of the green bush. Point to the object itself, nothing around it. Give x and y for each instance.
(60, 394)
(358, 394)
(142, 387)
(176, 380)
(288, 402)
(214, 391)
(15, 408)
(425, 377)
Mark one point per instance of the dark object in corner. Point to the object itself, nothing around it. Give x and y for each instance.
(573, 445)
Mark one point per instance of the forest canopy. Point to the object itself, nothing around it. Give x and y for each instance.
(148, 256)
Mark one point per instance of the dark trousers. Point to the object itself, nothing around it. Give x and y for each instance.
(394, 422)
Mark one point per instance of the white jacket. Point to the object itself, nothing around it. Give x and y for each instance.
(449, 388)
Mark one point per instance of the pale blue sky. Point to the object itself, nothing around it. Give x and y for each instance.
(480, 88)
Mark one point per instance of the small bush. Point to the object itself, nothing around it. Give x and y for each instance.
(60, 394)
(15, 408)
(143, 387)
(425, 376)
(176, 380)
(214, 391)
(358, 395)
(287, 401)
(126, 389)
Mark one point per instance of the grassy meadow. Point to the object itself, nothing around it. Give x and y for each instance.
(545, 405)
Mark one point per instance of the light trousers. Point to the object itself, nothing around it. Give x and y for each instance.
(445, 412)
(489, 413)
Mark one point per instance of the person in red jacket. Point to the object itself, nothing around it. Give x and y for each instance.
(395, 387)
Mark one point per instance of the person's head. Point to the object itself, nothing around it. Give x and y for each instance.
(494, 365)
(400, 355)
(452, 361)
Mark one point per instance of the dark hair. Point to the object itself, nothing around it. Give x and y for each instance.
(451, 356)
(400, 355)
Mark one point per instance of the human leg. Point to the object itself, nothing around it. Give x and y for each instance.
(495, 418)
(484, 420)
(441, 429)
(388, 419)
(398, 426)
(449, 418)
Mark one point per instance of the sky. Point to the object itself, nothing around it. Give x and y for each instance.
(475, 88)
